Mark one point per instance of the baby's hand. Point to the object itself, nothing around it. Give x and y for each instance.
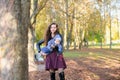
(52, 46)
(57, 42)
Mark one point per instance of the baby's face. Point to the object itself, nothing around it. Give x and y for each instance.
(57, 41)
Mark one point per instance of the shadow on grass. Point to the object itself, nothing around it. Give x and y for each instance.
(100, 69)
(86, 65)
(93, 66)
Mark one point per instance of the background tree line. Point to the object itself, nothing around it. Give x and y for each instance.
(96, 21)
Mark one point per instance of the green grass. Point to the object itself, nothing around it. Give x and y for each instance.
(71, 54)
(75, 54)
(96, 55)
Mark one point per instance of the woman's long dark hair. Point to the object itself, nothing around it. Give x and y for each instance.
(48, 33)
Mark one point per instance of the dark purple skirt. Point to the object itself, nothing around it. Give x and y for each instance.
(54, 61)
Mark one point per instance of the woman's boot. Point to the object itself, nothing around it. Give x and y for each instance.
(62, 76)
(52, 75)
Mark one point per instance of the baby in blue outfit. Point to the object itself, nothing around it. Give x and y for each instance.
(55, 42)
(52, 44)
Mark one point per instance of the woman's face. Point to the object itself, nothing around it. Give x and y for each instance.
(53, 28)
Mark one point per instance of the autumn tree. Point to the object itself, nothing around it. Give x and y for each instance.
(36, 7)
(78, 20)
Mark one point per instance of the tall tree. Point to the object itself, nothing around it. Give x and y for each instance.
(110, 26)
(101, 6)
(15, 20)
(66, 26)
(36, 7)
(116, 8)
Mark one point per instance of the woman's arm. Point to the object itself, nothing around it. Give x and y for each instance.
(38, 45)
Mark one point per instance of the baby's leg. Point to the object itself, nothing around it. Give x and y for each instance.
(43, 54)
(38, 56)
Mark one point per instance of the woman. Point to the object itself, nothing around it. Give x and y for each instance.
(54, 61)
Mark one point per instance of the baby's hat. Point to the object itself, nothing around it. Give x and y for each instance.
(58, 37)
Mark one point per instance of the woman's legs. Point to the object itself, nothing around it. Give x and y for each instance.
(52, 75)
(61, 74)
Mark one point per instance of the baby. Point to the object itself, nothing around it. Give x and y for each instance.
(51, 44)
(55, 42)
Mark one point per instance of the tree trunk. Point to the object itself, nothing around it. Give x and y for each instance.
(35, 9)
(15, 20)
(117, 20)
(101, 29)
(70, 34)
(71, 28)
(82, 35)
(66, 25)
(75, 29)
(31, 31)
(110, 27)
(31, 40)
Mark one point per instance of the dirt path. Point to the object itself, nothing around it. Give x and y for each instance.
(101, 67)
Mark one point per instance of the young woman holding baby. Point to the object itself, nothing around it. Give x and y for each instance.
(54, 60)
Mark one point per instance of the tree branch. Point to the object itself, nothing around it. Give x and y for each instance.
(36, 12)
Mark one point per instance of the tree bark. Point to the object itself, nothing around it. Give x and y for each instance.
(66, 26)
(15, 20)
(110, 27)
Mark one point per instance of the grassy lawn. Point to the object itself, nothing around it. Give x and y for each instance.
(75, 54)
(87, 64)
(96, 54)
(97, 64)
